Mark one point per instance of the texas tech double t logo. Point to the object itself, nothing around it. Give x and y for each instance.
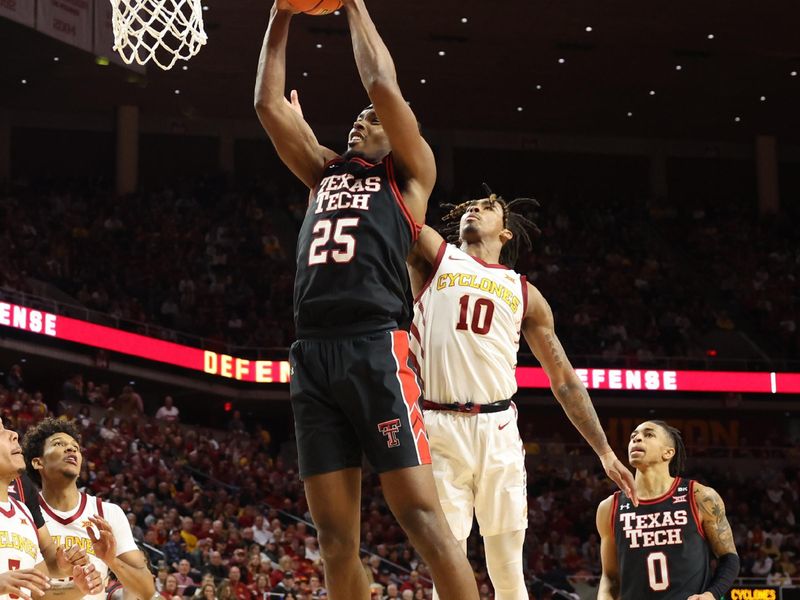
(390, 429)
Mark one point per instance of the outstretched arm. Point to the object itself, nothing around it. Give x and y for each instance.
(539, 330)
(609, 588)
(375, 66)
(293, 139)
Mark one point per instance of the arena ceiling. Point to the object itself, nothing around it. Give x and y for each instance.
(683, 69)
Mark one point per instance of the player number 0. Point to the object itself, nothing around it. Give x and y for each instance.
(482, 315)
(659, 581)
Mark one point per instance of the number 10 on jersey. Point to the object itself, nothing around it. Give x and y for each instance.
(482, 313)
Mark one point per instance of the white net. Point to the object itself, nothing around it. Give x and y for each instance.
(161, 31)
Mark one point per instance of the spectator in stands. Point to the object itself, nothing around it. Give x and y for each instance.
(216, 567)
(763, 565)
(209, 592)
(175, 549)
(183, 576)
(286, 585)
(168, 413)
(260, 590)
(170, 591)
(238, 587)
(14, 379)
(128, 404)
(262, 534)
(236, 424)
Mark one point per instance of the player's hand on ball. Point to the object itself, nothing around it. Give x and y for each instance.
(87, 579)
(284, 5)
(620, 475)
(13, 582)
(294, 103)
(105, 546)
(704, 596)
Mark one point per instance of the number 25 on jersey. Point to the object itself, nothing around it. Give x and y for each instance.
(326, 229)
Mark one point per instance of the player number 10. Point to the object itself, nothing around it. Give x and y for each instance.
(482, 314)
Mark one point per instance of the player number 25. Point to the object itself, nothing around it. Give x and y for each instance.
(482, 314)
(317, 255)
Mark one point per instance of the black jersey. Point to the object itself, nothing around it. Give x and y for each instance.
(351, 253)
(661, 548)
(24, 490)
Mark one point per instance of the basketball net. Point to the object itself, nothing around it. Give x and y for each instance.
(161, 31)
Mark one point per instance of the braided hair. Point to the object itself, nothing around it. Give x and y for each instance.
(678, 461)
(513, 219)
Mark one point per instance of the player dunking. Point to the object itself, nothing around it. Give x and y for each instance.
(660, 548)
(470, 308)
(23, 573)
(353, 390)
(53, 456)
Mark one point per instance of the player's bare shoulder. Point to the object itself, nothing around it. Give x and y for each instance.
(604, 515)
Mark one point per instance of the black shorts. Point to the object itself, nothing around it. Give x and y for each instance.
(353, 397)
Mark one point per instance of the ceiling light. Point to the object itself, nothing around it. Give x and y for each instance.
(464, 19)
(711, 36)
(24, 81)
(793, 73)
(763, 98)
(423, 81)
(337, 12)
(652, 92)
(630, 114)
(177, 92)
(185, 67)
(538, 86)
(737, 119)
(56, 59)
(305, 73)
(441, 52)
(561, 61)
(205, 7)
(519, 109)
(319, 46)
(678, 67)
(589, 28)
(101, 61)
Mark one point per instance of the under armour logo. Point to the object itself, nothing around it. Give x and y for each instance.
(625, 506)
(679, 499)
(390, 429)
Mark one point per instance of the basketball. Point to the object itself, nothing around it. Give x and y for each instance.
(316, 7)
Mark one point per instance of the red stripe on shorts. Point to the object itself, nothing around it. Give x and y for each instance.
(411, 394)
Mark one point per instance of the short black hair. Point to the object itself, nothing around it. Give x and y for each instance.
(513, 219)
(678, 461)
(36, 436)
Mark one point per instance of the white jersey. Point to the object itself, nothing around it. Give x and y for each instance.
(465, 333)
(68, 528)
(19, 540)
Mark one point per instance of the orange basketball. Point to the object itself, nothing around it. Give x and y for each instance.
(316, 7)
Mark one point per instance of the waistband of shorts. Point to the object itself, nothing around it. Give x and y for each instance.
(350, 332)
(469, 408)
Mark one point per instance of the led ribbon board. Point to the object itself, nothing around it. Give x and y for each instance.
(278, 371)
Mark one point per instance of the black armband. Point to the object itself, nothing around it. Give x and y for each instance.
(725, 575)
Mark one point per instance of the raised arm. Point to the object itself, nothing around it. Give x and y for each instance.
(539, 330)
(422, 258)
(411, 152)
(609, 588)
(293, 139)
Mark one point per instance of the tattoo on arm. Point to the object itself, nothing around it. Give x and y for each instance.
(576, 402)
(715, 523)
(555, 349)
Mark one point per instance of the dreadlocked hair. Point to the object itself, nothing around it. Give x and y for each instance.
(36, 436)
(678, 461)
(514, 220)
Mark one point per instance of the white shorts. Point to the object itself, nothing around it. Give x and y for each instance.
(479, 467)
